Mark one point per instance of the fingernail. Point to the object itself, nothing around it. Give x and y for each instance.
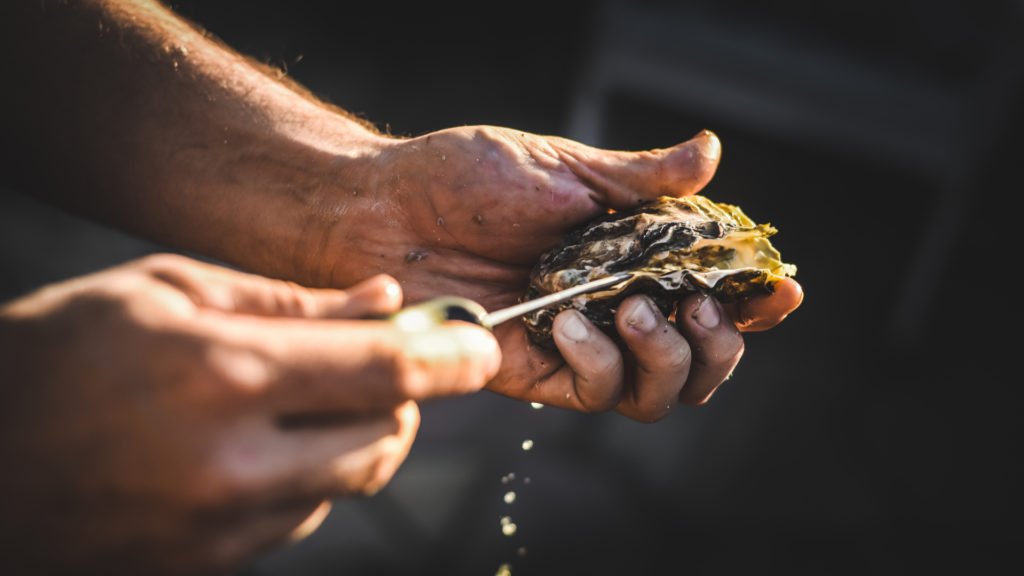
(393, 291)
(641, 316)
(707, 314)
(573, 328)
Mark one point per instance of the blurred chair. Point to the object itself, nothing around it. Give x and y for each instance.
(798, 92)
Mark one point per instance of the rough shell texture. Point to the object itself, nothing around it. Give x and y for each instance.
(673, 246)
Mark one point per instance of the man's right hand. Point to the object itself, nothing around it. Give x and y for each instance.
(173, 416)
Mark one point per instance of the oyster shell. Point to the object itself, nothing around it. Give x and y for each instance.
(673, 246)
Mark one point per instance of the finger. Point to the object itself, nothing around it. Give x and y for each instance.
(591, 378)
(663, 359)
(763, 312)
(217, 288)
(347, 460)
(624, 179)
(299, 365)
(717, 346)
(253, 533)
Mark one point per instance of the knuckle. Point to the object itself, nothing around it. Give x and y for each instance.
(725, 349)
(600, 388)
(162, 262)
(402, 373)
(676, 358)
(294, 300)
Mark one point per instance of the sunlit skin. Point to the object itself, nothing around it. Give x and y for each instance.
(145, 123)
(142, 412)
(478, 205)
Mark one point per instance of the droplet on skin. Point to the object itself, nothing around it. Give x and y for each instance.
(416, 255)
(536, 405)
(440, 221)
(443, 157)
(510, 497)
(477, 218)
(527, 445)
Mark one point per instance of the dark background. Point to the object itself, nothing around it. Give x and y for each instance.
(875, 432)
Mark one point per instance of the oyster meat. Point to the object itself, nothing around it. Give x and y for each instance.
(673, 246)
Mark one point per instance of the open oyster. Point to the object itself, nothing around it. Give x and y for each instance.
(672, 246)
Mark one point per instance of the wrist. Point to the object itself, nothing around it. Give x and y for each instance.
(332, 200)
(287, 191)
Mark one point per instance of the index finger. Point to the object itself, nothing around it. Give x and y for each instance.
(307, 365)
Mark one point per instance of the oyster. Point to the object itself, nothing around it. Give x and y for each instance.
(673, 246)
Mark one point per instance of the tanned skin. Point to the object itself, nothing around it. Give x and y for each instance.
(145, 404)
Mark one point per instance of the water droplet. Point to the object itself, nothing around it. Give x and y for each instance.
(440, 221)
(527, 444)
(536, 405)
(506, 520)
(508, 529)
(443, 157)
(504, 570)
(526, 480)
(510, 497)
(478, 218)
(521, 551)
(567, 395)
(416, 255)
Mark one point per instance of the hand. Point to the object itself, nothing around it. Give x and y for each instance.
(468, 211)
(171, 416)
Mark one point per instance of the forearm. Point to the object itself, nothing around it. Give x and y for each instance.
(122, 111)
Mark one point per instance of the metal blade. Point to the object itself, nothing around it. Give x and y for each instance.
(498, 316)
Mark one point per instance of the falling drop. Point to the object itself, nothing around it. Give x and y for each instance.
(521, 551)
(536, 405)
(508, 529)
(510, 497)
(526, 480)
(527, 444)
(504, 570)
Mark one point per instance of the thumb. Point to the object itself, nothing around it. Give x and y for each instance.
(216, 288)
(624, 179)
(376, 296)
